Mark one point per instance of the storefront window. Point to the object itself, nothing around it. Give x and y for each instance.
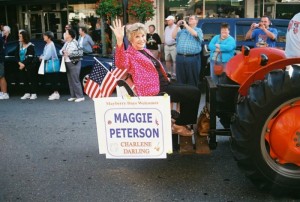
(284, 9)
(35, 7)
(2, 15)
(23, 8)
(205, 8)
(83, 15)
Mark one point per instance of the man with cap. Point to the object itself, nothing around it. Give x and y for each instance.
(170, 46)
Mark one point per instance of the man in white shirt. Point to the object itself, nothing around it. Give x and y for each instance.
(170, 46)
(292, 47)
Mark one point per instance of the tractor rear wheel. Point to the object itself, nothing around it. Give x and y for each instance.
(266, 133)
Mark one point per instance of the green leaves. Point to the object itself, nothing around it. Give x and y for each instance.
(109, 8)
(143, 10)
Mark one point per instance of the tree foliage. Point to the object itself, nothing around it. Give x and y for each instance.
(142, 10)
(109, 8)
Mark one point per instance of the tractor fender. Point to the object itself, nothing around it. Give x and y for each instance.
(262, 72)
(243, 65)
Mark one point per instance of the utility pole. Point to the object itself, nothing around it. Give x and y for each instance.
(125, 15)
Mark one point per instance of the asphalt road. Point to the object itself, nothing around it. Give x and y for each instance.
(49, 152)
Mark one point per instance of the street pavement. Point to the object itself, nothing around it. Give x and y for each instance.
(49, 152)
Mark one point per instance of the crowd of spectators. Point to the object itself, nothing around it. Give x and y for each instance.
(180, 47)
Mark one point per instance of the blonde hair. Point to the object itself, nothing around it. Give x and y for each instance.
(134, 29)
(6, 28)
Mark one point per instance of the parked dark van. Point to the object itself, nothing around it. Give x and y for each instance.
(238, 29)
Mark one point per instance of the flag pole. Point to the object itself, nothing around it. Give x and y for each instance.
(101, 64)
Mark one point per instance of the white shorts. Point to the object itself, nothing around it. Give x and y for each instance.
(170, 53)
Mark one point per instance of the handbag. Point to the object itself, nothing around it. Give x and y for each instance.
(42, 67)
(63, 65)
(76, 55)
(218, 66)
(52, 65)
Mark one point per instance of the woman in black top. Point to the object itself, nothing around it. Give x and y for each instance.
(153, 42)
(25, 58)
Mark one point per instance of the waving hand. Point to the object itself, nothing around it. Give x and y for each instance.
(118, 30)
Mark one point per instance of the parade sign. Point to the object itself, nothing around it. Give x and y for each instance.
(134, 127)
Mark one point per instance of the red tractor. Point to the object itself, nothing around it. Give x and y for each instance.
(258, 103)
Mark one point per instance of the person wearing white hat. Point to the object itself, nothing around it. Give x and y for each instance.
(170, 46)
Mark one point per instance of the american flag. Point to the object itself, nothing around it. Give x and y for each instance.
(102, 82)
